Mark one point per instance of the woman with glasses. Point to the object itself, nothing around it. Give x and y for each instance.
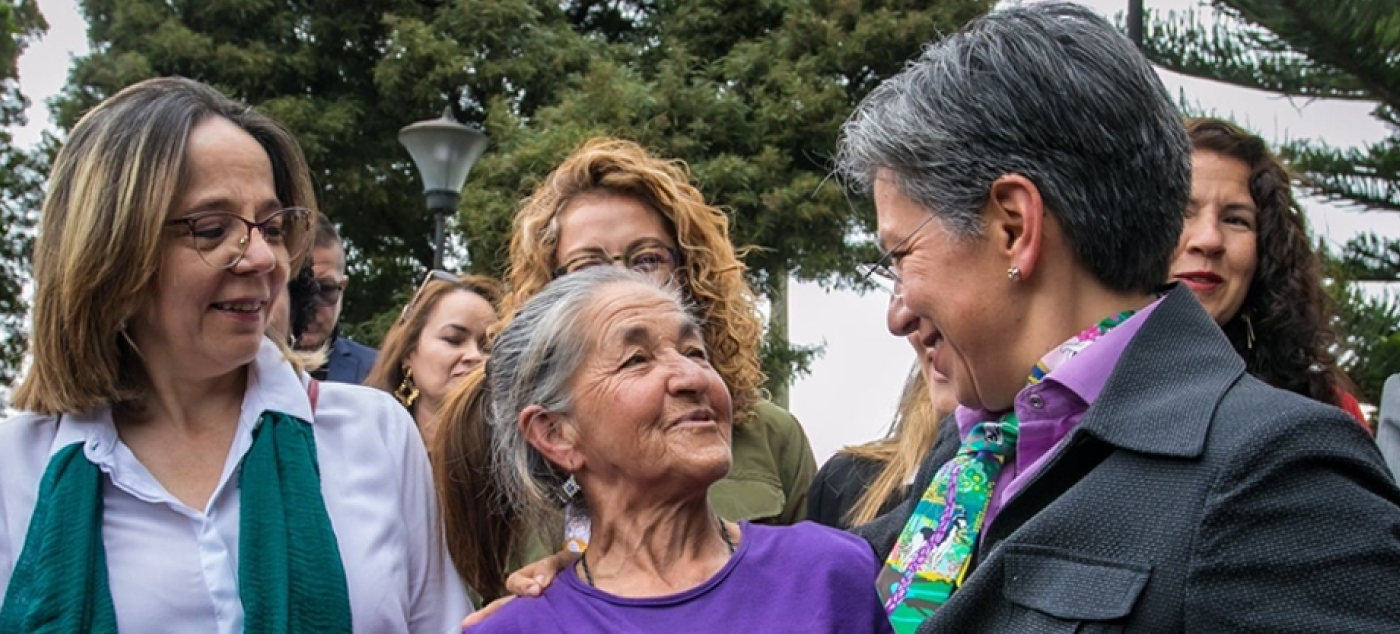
(439, 337)
(165, 474)
(612, 204)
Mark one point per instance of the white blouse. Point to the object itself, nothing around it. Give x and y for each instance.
(173, 568)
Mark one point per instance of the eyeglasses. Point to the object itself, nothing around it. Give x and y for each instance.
(885, 271)
(216, 237)
(441, 276)
(328, 293)
(648, 257)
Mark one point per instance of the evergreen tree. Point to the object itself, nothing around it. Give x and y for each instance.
(19, 186)
(1344, 49)
(749, 92)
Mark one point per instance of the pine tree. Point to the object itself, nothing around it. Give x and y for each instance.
(1343, 49)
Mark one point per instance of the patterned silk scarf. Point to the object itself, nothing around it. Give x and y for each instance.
(932, 554)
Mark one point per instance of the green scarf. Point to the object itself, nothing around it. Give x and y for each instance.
(290, 576)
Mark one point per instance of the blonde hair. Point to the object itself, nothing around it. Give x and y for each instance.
(711, 275)
(402, 338)
(911, 436)
(102, 232)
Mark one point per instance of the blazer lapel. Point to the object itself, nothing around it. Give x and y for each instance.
(1159, 399)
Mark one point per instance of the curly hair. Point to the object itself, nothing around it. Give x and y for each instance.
(1284, 328)
(713, 277)
(402, 338)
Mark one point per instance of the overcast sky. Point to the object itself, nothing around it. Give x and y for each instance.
(849, 396)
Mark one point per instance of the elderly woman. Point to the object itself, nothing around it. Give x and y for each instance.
(165, 476)
(613, 204)
(1114, 466)
(601, 397)
(1245, 253)
(860, 483)
(439, 337)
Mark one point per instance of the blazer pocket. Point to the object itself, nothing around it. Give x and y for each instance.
(1075, 589)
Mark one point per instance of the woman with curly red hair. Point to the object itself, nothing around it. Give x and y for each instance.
(1245, 253)
(612, 203)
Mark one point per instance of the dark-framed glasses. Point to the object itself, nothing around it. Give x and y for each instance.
(328, 293)
(221, 238)
(884, 272)
(441, 276)
(648, 257)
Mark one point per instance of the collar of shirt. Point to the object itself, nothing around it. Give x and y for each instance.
(1050, 409)
(272, 385)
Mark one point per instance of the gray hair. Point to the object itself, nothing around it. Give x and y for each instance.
(533, 362)
(1049, 91)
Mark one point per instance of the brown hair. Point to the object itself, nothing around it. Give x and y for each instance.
(911, 437)
(399, 342)
(1286, 306)
(102, 232)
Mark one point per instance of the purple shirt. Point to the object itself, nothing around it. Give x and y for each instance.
(1049, 410)
(804, 578)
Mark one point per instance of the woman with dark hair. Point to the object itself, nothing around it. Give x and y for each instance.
(1244, 252)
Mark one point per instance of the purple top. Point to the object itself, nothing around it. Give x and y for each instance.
(804, 578)
(1050, 409)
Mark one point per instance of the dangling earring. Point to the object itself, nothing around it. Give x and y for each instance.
(1014, 274)
(1248, 332)
(408, 391)
(571, 488)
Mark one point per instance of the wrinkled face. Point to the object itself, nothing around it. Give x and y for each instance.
(952, 299)
(598, 229)
(328, 265)
(1218, 251)
(203, 322)
(649, 409)
(940, 390)
(453, 342)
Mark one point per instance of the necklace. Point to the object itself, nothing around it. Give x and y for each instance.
(588, 574)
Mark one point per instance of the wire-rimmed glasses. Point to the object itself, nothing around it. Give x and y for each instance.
(216, 237)
(884, 272)
(647, 257)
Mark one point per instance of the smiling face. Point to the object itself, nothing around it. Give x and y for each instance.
(453, 341)
(651, 414)
(1218, 252)
(952, 300)
(203, 322)
(609, 225)
(940, 390)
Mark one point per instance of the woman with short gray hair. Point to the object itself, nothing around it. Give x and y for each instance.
(601, 398)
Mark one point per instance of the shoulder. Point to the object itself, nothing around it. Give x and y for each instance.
(837, 548)
(356, 413)
(522, 615)
(768, 415)
(25, 443)
(355, 348)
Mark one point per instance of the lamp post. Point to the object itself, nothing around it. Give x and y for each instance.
(1135, 22)
(444, 151)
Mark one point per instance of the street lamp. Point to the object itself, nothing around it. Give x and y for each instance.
(444, 151)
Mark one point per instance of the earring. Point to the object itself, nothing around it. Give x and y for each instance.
(407, 392)
(1014, 274)
(571, 488)
(1248, 332)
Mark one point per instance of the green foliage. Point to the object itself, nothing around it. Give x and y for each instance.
(1369, 320)
(1344, 49)
(750, 93)
(20, 184)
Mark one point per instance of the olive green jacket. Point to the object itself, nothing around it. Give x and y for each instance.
(772, 468)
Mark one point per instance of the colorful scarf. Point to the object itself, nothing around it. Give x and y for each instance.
(932, 554)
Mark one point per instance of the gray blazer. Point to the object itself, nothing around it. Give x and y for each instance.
(1191, 498)
(1388, 430)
